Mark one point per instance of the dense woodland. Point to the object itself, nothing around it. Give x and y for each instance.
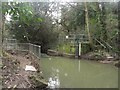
(43, 23)
(74, 32)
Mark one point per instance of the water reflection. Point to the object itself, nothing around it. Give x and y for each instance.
(79, 66)
(54, 82)
(72, 73)
(66, 74)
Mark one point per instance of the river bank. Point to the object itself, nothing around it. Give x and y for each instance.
(103, 57)
(15, 74)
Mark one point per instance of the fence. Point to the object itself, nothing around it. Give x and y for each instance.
(11, 44)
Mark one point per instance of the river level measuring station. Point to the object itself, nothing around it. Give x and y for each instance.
(78, 40)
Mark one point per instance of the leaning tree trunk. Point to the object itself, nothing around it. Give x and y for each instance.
(87, 24)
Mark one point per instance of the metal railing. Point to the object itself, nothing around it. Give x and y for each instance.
(35, 49)
(31, 48)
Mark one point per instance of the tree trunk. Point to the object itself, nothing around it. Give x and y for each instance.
(103, 22)
(87, 24)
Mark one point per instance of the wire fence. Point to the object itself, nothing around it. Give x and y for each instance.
(11, 44)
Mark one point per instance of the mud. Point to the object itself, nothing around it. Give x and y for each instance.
(14, 74)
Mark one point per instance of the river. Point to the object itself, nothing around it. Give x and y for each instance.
(73, 73)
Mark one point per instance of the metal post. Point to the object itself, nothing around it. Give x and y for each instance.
(80, 47)
(29, 48)
(39, 51)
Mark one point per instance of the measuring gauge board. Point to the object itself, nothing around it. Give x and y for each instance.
(80, 46)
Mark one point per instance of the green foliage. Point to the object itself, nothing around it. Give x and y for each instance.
(29, 26)
(66, 48)
(35, 23)
(103, 22)
(73, 22)
(85, 48)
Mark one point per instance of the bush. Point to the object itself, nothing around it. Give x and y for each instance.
(66, 48)
(85, 48)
